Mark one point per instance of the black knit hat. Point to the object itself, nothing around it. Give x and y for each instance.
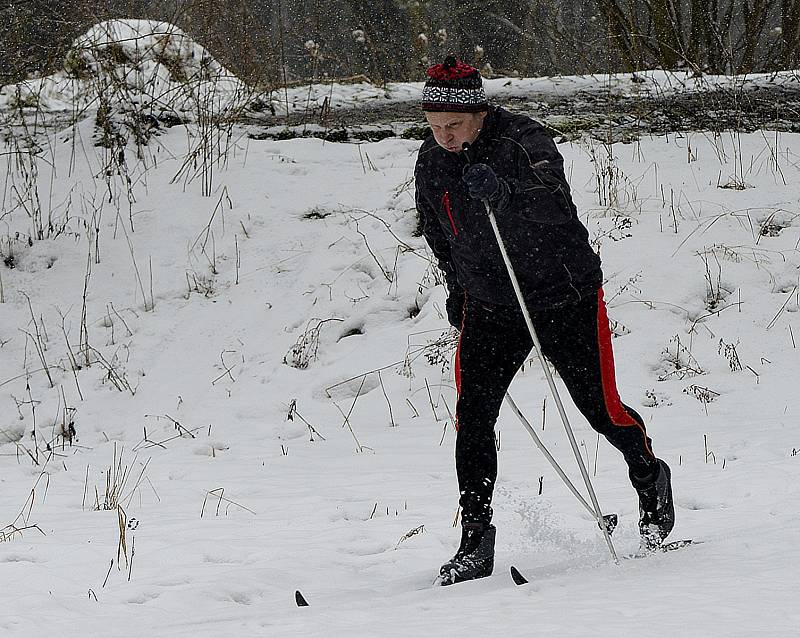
(454, 86)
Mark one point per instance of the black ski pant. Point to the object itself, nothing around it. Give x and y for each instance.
(494, 343)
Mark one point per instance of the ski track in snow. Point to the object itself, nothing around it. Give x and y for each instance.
(238, 507)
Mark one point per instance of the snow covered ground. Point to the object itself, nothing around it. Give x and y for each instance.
(305, 254)
(259, 382)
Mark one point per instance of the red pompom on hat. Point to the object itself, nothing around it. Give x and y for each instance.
(451, 69)
(454, 86)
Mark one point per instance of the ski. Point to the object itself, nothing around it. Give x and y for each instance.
(664, 548)
(518, 578)
(299, 599)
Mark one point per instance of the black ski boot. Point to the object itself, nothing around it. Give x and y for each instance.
(656, 508)
(474, 558)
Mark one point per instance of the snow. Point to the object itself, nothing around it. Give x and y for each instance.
(228, 505)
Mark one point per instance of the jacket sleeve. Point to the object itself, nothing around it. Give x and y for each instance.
(539, 190)
(432, 231)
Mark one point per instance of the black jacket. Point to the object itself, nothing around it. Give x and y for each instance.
(547, 244)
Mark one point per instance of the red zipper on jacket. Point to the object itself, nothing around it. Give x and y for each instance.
(448, 210)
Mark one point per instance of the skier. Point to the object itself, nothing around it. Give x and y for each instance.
(481, 153)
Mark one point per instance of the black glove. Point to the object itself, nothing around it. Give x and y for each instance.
(455, 308)
(483, 183)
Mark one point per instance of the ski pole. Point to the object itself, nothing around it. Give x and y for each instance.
(609, 520)
(598, 514)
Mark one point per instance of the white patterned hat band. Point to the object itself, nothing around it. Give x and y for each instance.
(445, 98)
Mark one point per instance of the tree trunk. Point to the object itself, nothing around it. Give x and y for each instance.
(419, 46)
(790, 33)
(701, 41)
(667, 32)
(755, 19)
(620, 30)
(532, 47)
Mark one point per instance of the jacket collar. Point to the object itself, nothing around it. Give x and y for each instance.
(486, 137)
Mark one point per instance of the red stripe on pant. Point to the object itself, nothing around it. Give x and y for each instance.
(616, 410)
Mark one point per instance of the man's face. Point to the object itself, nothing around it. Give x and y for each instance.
(452, 130)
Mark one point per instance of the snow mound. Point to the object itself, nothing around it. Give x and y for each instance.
(135, 65)
(141, 52)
